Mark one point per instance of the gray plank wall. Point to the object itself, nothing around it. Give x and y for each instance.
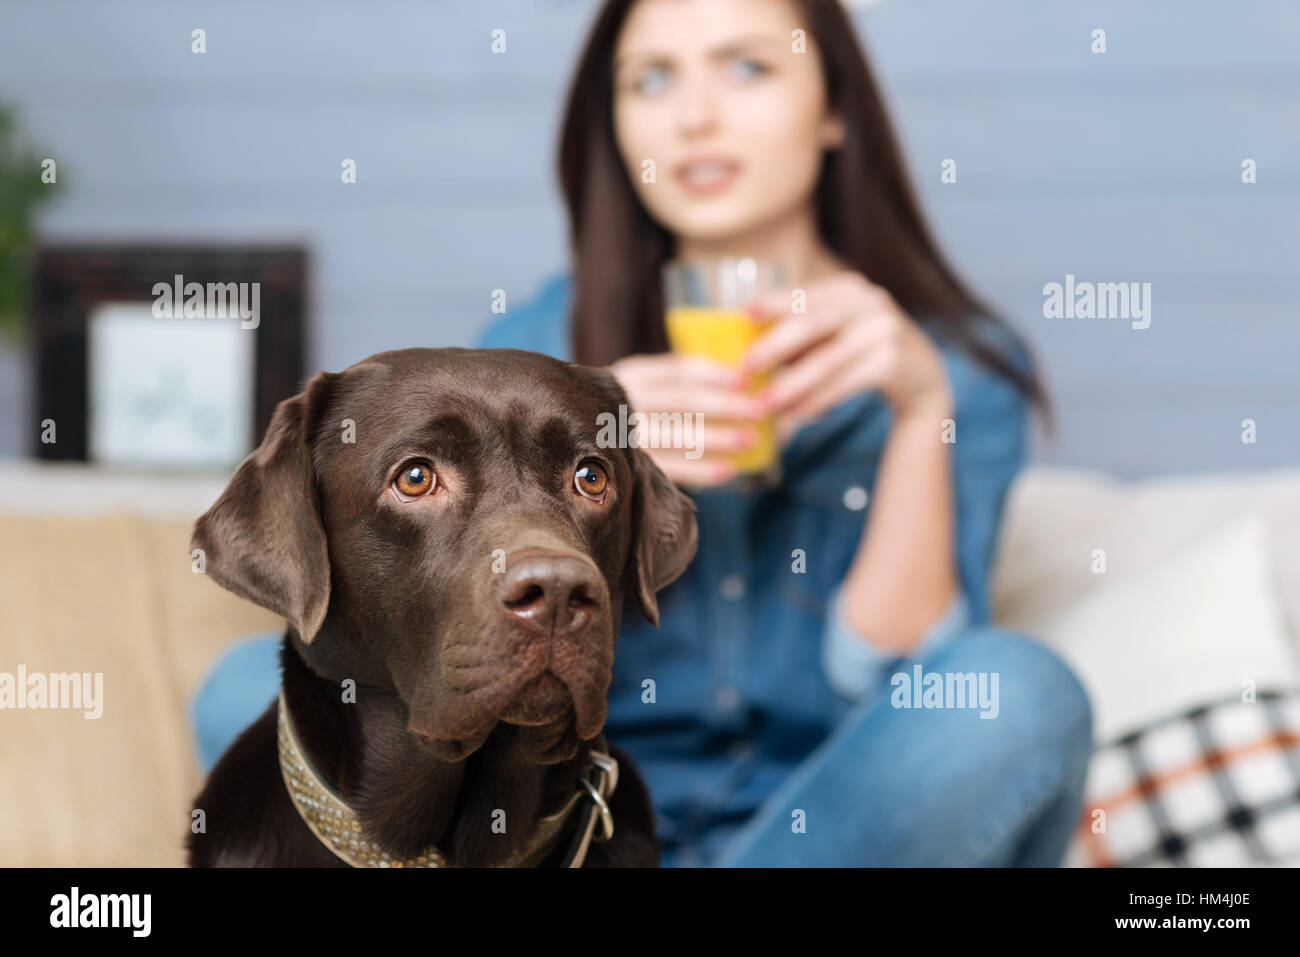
(1116, 167)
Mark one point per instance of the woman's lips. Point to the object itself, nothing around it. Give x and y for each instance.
(707, 175)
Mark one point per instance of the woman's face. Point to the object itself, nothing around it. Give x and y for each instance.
(734, 120)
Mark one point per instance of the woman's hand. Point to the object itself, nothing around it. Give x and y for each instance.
(852, 337)
(687, 385)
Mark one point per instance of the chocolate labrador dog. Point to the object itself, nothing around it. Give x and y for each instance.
(452, 547)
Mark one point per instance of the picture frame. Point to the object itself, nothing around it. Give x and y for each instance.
(163, 356)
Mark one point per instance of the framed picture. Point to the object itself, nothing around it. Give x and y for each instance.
(167, 393)
(164, 356)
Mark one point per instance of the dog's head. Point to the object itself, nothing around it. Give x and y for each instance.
(443, 525)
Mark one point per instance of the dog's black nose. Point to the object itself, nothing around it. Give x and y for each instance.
(554, 594)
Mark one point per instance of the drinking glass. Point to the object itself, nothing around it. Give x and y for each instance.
(705, 315)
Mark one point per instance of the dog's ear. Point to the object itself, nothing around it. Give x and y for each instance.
(664, 532)
(263, 538)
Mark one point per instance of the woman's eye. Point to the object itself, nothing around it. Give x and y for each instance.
(415, 478)
(746, 68)
(591, 480)
(651, 80)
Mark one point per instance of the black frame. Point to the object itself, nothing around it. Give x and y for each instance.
(70, 280)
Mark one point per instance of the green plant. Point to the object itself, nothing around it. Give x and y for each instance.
(21, 190)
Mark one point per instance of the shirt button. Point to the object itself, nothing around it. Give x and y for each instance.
(732, 587)
(855, 498)
(727, 698)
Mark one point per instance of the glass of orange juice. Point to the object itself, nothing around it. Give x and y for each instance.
(705, 315)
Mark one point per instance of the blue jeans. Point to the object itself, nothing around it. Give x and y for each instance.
(890, 786)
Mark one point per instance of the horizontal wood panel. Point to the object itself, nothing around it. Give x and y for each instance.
(1135, 434)
(1086, 148)
(401, 38)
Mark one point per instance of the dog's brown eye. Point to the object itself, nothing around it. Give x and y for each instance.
(590, 479)
(416, 478)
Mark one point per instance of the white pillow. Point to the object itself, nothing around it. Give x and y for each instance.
(1180, 633)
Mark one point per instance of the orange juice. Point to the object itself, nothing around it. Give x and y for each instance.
(724, 335)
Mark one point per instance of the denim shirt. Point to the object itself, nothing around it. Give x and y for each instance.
(753, 664)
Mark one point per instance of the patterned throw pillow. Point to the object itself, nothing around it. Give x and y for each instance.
(1214, 786)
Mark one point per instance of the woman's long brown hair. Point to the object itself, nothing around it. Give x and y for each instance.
(866, 208)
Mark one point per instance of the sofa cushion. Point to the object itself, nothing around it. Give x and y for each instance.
(1056, 517)
(111, 594)
(1187, 630)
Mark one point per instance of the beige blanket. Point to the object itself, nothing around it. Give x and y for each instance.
(112, 594)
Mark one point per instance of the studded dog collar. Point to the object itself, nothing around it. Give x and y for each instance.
(336, 825)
